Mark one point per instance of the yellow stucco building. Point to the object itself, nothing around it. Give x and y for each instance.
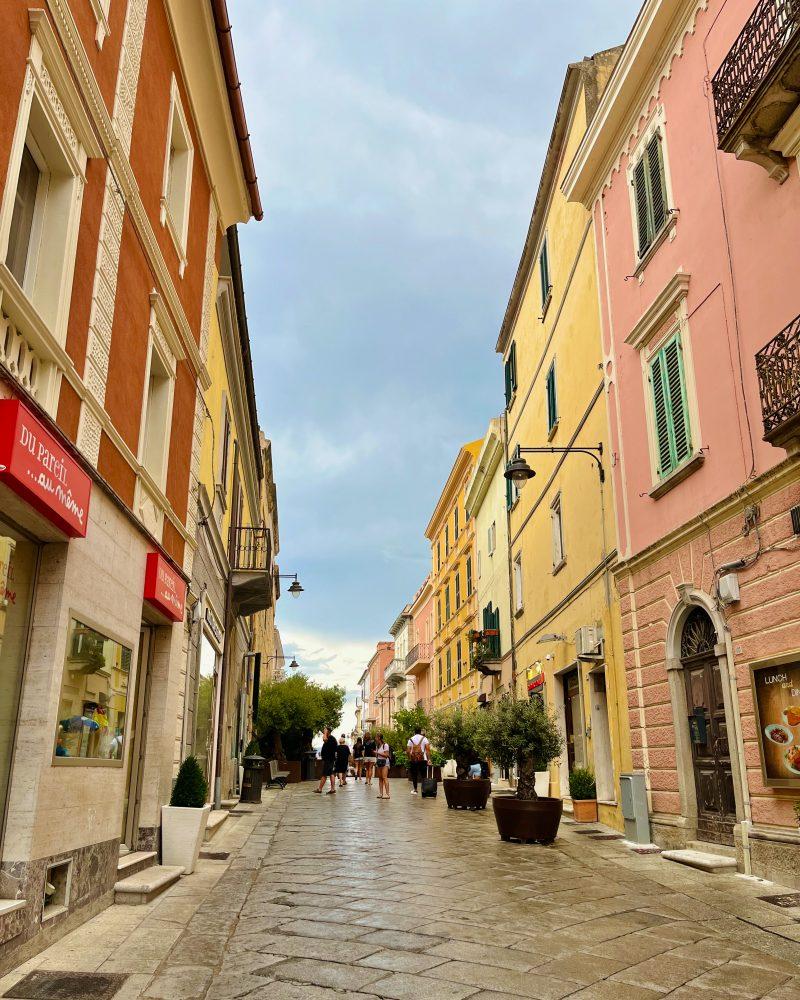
(452, 537)
(566, 623)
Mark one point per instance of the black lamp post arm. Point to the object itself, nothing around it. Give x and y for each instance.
(594, 453)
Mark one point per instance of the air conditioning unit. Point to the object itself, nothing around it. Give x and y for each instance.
(589, 642)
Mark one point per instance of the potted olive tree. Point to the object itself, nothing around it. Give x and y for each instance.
(454, 733)
(522, 734)
(183, 821)
(583, 793)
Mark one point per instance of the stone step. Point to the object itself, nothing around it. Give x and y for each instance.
(726, 850)
(216, 819)
(135, 861)
(146, 885)
(701, 860)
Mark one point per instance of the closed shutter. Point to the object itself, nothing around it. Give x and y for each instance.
(509, 496)
(658, 188)
(509, 390)
(552, 412)
(670, 408)
(544, 271)
(642, 215)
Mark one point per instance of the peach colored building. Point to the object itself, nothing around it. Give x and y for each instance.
(374, 690)
(689, 169)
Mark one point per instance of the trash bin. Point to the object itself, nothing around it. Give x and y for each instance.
(310, 766)
(253, 778)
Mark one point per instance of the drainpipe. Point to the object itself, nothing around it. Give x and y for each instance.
(747, 822)
(511, 617)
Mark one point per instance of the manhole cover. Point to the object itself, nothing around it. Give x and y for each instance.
(215, 855)
(646, 850)
(786, 901)
(607, 836)
(67, 986)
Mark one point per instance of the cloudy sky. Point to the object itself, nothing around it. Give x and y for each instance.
(398, 145)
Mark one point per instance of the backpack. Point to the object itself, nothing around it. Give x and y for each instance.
(416, 754)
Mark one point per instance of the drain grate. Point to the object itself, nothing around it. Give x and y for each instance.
(607, 836)
(215, 855)
(67, 986)
(786, 901)
(646, 850)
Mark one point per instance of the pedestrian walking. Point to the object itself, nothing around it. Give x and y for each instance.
(382, 754)
(419, 757)
(342, 760)
(358, 757)
(328, 755)
(370, 758)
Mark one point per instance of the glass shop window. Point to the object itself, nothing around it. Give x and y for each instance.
(94, 697)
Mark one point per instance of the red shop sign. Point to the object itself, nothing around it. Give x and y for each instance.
(536, 683)
(164, 587)
(41, 471)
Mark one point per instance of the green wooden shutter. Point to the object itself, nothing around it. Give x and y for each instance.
(509, 494)
(552, 412)
(544, 271)
(661, 414)
(642, 213)
(469, 575)
(658, 187)
(508, 381)
(670, 407)
(514, 366)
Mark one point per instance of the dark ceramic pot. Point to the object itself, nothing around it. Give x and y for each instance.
(294, 768)
(471, 793)
(528, 820)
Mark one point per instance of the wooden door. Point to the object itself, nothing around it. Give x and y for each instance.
(573, 720)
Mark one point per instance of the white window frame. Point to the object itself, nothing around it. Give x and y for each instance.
(100, 9)
(157, 344)
(519, 603)
(656, 126)
(178, 228)
(557, 533)
(492, 538)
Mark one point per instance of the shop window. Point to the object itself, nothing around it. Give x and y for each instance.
(57, 885)
(18, 562)
(94, 698)
(177, 185)
(157, 415)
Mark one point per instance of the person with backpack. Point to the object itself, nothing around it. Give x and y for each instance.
(342, 760)
(419, 757)
(328, 755)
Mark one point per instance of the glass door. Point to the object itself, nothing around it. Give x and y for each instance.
(206, 715)
(137, 735)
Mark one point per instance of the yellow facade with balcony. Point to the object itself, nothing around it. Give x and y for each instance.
(452, 538)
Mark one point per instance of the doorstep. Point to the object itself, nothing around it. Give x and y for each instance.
(701, 860)
(134, 862)
(146, 885)
(216, 818)
(11, 905)
(726, 850)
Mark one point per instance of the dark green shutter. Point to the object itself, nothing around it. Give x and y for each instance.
(660, 411)
(670, 408)
(658, 189)
(642, 214)
(509, 494)
(513, 359)
(508, 381)
(544, 272)
(552, 413)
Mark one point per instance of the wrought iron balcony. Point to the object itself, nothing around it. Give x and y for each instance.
(778, 369)
(251, 569)
(419, 658)
(484, 651)
(395, 672)
(757, 87)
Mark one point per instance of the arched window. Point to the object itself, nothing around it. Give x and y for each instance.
(699, 635)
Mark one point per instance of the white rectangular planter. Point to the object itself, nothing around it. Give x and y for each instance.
(182, 832)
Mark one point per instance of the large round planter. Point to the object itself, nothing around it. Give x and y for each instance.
(295, 769)
(584, 810)
(528, 820)
(471, 793)
(182, 832)
(397, 771)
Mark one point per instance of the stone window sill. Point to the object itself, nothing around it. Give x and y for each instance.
(691, 465)
(666, 229)
(11, 905)
(559, 566)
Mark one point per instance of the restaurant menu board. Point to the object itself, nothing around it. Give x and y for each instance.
(776, 692)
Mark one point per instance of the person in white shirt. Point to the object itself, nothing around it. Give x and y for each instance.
(419, 757)
(383, 754)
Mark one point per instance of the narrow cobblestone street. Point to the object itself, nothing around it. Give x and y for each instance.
(348, 896)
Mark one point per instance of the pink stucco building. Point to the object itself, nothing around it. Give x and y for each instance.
(689, 170)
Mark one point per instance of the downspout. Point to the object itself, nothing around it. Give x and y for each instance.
(747, 822)
(509, 560)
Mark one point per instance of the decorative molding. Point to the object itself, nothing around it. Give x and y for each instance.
(666, 303)
(100, 11)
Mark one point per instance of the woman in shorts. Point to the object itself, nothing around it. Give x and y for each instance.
(369, 756)
(358, 757)
(383, 754)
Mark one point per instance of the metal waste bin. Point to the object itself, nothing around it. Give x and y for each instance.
(253, 778)
(310, 766)
(633, 792)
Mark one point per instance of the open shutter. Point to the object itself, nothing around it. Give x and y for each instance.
(661, 415)
(640, 197)
(676, 394)
(658, 187)
(509, 494)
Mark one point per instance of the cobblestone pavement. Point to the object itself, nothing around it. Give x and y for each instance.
(346, 896)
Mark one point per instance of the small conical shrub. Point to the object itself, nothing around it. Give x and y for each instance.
(191, 787)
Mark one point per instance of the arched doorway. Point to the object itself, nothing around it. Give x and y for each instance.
(708, 729)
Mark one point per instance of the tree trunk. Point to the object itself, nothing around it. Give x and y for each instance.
(526, 780)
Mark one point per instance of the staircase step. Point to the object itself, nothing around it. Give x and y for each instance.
(135, 861)
(216, 819)
(146, 885)
(701, 860)
(726, 850)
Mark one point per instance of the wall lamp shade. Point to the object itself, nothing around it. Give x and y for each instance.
(294, 665)
(295, 590)
(519, 472)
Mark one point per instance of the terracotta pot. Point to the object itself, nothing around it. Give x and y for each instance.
(584, 810)
(528, 820)
(472, 793)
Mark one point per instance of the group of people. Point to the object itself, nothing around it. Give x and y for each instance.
(371, 757)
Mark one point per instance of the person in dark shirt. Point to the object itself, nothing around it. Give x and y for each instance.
(358, 757)
(342, 760)
(328, 755)
(370, 756)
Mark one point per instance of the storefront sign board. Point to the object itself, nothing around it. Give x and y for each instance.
(164, 587)
(776, 693)
(41, 471)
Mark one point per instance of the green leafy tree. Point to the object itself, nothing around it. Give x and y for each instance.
(523, 734)
(454, 733)
(406, 721)
(191, 788)
(291, 711)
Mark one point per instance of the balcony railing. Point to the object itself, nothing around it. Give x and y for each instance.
(421, 653)
(778, 369)
(395, 672)
(758, 62)
(251, 569)
(251, 548)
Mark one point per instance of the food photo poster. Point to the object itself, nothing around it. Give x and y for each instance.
(776, 692)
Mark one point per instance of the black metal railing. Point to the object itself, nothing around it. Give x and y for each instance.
(769, 29)
(250, 548)
(422, 651)
(778, 369)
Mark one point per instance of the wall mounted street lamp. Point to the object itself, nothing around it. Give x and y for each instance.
(278, 656)
(519, 472)
(295, 589)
